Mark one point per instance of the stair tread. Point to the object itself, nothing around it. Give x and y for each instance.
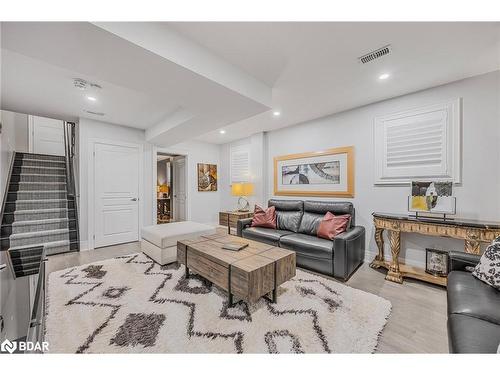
(41, 191)
(44, 200)
(43, 210)
(41, 221)
(47, 245)
(40, 233)
(41, 182)
(31, 166)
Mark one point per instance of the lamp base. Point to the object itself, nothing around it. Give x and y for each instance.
(243, 205)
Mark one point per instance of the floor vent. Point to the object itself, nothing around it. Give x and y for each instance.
(375, 54)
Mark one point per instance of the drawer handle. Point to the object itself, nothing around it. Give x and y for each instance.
(2, 266)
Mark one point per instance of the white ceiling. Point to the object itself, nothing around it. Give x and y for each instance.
(314, 70)
(141, 88)
(188, 80)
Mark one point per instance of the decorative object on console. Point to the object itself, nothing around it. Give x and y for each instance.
(436, 262)
(242, 190)
(264, 218)
(473, 232)
(432, 197)
(207, 177)
(488, 268)
(331, 225)
(327, 173)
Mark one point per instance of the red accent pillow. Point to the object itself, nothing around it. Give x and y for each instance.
(331, 226)
(265, 219)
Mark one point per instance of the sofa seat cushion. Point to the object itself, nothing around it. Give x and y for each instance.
(167, 235)
(470, 296)
(472, 335)
(306, 245)
(266, 235)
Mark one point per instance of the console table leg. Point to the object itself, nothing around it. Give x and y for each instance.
(187, 273)
(394, 273)
(472, 247)
(230, 297)
(379, 239)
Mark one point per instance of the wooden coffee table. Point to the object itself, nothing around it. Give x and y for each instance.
(249, 274)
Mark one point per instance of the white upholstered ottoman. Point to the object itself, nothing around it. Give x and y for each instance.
(159, 242)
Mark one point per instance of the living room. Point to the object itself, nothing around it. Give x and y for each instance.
(283, 186)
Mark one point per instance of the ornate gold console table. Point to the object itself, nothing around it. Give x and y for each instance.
(473, 232)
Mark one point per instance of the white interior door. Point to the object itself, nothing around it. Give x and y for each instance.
(47, 136)
(116, 194)
(179, 182)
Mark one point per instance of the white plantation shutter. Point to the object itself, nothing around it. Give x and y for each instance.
(417, 144)
(240, 163)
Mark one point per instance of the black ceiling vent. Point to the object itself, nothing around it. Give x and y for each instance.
(375, 54)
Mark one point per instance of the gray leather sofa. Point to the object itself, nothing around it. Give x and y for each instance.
(473, 309)
(297, 223)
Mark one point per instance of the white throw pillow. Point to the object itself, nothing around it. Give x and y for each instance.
(488, 268)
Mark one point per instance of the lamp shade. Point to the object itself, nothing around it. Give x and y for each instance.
(163, 188)
(242, 188)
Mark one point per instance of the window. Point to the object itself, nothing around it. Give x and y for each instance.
(240, 163)
(423, 143)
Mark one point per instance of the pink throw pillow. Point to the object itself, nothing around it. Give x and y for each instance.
(264, 219)
(331, 226)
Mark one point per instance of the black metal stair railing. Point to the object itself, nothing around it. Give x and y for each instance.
(69, 143)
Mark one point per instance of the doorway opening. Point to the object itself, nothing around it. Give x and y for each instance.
(170, 188)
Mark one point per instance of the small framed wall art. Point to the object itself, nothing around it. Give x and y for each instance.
(328, 173)
(207, 177)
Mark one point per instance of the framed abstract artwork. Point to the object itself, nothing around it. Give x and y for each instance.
(432, 197)
(207, 177)
(328, 173)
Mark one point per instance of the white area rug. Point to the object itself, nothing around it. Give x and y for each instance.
(132, 305)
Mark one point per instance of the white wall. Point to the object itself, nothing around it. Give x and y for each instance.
(14, 137)
(258, 170)
(203, 206)
(477, 197)
(14, 293)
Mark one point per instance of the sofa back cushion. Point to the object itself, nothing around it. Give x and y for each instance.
(315, 211)
(288, 213)
(264, 218)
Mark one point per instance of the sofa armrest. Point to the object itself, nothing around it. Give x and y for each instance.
(242, 224)
(458, 260)
(348, 252)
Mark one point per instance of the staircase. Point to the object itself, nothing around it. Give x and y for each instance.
(39, 211)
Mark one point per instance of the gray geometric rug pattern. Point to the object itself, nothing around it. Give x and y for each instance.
(130, 304)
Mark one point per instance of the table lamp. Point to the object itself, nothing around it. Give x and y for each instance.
(242, 190)
(163, 189)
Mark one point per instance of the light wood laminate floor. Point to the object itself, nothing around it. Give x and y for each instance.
(417, 323)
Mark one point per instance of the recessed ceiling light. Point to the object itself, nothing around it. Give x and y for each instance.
(222, 131)
(276, 113)
(91, 98)
(384, 76)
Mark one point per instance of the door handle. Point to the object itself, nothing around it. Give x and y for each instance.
(133, 199)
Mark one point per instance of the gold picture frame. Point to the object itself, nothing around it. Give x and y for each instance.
(340, 183)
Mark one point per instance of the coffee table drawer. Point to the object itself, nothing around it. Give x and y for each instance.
(208, 269)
